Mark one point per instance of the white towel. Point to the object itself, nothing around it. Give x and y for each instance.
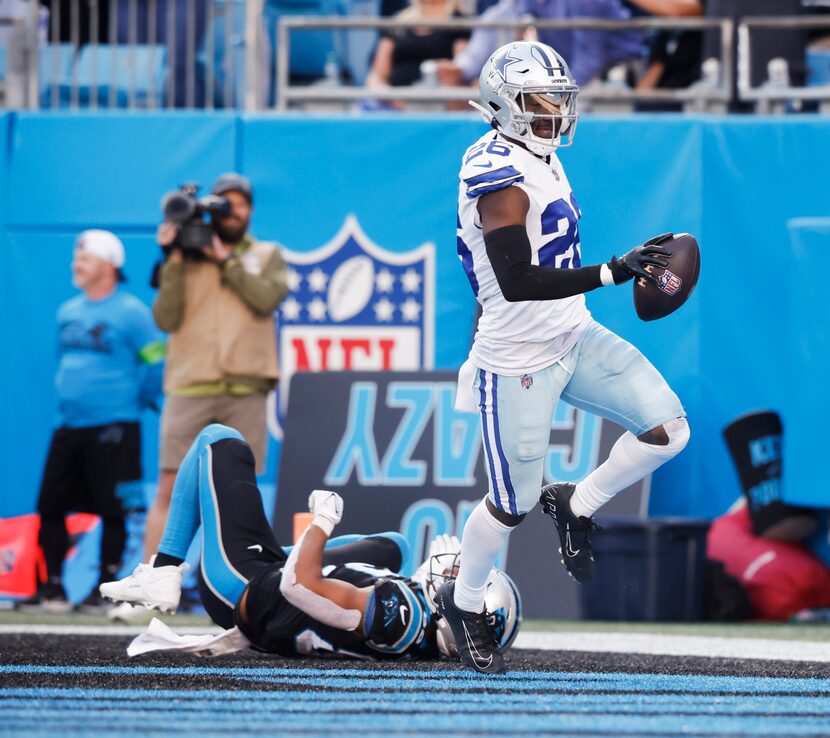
(158, 637)
(465, 399)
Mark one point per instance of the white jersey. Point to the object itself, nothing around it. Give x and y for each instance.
(515, 338)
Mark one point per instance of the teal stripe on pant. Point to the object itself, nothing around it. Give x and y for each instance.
(194, 502)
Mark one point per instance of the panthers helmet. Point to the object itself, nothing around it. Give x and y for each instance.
(526, 85)
(502, 603)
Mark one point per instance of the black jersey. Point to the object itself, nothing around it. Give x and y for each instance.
(276, 626)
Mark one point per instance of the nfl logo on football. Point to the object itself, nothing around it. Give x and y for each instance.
(670, 283)
(355, 306)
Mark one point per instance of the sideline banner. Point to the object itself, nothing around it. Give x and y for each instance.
(394, 446)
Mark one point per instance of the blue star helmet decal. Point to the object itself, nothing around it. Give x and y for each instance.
(503, 61)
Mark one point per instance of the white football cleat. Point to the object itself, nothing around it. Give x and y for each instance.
(131, 614)
(158, 588)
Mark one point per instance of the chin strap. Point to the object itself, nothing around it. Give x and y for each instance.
(486, 114)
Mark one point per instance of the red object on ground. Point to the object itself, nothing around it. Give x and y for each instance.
(20, 554)
(780, 578)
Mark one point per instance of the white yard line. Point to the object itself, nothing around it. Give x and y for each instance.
(678, 645)
(643, 643)
(100, 630)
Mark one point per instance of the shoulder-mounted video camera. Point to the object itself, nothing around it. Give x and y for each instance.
(184, 208)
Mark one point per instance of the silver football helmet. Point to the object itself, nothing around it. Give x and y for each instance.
(502, 602)
(527, 90)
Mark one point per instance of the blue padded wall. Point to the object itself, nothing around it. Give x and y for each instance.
(734, 182)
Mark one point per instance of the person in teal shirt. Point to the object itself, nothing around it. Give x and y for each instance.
(110, 363)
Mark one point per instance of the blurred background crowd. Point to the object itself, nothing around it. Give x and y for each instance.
(257, 54)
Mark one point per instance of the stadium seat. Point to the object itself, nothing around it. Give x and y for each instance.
(134, 73)
(55, 69)
(818, 67)
(309, 49)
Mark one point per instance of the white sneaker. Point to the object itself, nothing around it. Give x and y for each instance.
(126, 612)
(157, 588)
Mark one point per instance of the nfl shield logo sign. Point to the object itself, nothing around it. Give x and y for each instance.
(353, 305)
(669, 282)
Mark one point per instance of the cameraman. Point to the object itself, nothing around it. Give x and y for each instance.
(217, 303)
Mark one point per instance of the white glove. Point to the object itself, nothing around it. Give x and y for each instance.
(444, 544)
(326, 506)
(440, 545)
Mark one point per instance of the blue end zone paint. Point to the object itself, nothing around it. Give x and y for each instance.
(318, 702)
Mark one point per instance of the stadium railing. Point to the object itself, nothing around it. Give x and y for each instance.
(250, 54)
(149, 54)
(777, 94)
(712, 93)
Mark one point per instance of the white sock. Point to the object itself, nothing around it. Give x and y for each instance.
(629, 461)
(481, 542)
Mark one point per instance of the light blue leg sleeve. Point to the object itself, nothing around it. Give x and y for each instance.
(183, 517)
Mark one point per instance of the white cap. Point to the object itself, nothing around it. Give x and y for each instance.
(103, 244)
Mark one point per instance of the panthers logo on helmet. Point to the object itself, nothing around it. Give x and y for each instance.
(390, 609)
(498, 623)
(396, 619)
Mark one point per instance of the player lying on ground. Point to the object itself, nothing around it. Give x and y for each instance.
(346, 599)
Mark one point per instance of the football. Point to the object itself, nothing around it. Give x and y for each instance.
(675, 283)
(351, 288)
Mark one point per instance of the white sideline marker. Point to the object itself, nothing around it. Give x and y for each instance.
(765, 649)
(678, 645)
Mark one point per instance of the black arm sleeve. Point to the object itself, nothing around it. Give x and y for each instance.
(509, 252)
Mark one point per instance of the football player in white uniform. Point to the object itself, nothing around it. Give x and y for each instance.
(518, 241)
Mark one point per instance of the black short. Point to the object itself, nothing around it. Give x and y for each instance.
(95, 470)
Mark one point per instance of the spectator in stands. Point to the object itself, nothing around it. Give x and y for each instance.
(589, 52)
(667, 8)
(674, 55)
(109, 367)
(399, 55)
(218, 306)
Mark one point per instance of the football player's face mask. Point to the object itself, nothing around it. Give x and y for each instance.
(528, 92)
(502, 603)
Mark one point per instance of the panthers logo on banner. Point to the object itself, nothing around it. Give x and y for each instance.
(353, 305)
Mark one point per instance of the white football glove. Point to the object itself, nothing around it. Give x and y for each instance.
(444, 544)
(327, 505)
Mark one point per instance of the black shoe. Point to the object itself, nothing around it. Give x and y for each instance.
(574, 532)
(477, 647)
(50, 597)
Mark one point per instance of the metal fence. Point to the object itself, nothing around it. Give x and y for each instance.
(714, 90)
(154, 54)
(136, 54)
(711, 93)
(777, 93)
